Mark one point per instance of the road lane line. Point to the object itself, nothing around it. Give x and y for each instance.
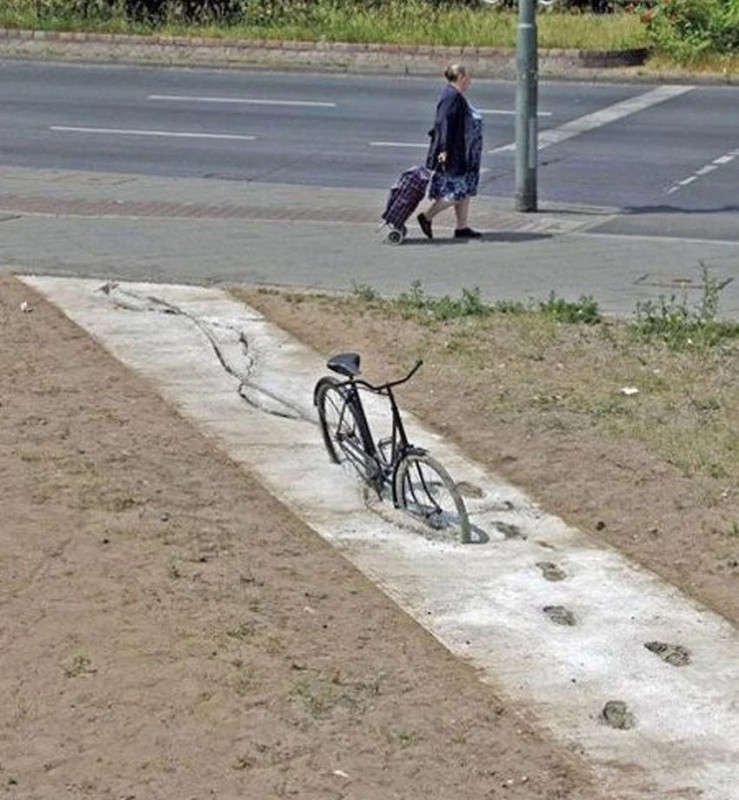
(417, 145)
(172, 134)
(727, 158)
(510, 112)
(239, 100)
(602, 117)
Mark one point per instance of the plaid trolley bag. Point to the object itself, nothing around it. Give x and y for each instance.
(405, 195)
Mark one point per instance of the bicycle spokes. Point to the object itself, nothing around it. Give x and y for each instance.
(426, 491)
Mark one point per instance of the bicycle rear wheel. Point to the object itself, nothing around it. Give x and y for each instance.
(343, 429)
(426, 491)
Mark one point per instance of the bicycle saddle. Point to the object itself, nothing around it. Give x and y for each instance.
(345, 364)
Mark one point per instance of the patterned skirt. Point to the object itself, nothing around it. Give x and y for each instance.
(454, 187)
(458, 187)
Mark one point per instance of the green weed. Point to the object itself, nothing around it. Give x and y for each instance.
(321, 694)
(364, 292)
(417, 304)
(243, 631)
(585, 310)
(681, 326)
(78, 666)
(401, 738)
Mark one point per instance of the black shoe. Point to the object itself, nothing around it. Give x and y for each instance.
(466, 233)
(425, 224)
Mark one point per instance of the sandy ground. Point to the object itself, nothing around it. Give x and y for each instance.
(168, 630)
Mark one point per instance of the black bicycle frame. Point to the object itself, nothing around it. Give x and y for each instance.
(399, 444)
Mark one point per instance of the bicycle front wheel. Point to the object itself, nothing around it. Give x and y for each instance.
(342, 428)
(426, 491)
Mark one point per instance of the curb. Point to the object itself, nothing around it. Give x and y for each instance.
(634, 57)
(485, 62)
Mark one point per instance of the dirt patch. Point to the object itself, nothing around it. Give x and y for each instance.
(169, 630)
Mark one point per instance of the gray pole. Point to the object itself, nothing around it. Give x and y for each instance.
(527, 70)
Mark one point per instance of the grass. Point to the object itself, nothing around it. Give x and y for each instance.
(668, 377)
(399, 22)
(416, 304)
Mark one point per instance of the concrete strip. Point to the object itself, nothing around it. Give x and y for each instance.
(556, 623)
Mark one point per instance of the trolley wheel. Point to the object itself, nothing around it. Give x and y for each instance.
(395, 236)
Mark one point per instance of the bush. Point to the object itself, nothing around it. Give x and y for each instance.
(155, 12)
(685, 30)
(725, 28)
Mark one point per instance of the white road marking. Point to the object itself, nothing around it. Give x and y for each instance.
(425, 145)
(417, 145)
(597, 119)
(511, 112)
(172, 134)
(239, 100)
(727, 158)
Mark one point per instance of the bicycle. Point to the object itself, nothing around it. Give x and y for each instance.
(418, 484)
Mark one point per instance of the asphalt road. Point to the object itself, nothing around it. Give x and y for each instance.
(668, 157)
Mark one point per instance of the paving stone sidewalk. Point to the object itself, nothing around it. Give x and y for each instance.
(143, 228)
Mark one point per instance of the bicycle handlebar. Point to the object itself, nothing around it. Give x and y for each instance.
(383, 387)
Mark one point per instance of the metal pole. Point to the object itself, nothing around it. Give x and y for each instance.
(527, 70)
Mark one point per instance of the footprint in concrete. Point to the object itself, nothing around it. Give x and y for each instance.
(510, 531)
(674, 654)
(551, 571)
(616, 714)
(560, 615)
(467, 489)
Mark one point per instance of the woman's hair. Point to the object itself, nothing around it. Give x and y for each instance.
(454, 72)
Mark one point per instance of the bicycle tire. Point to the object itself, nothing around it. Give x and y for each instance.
(426, 491)
(342, 428)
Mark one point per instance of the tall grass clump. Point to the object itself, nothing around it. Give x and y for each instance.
(619, 31)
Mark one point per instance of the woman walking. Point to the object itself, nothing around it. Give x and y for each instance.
(454, 154)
